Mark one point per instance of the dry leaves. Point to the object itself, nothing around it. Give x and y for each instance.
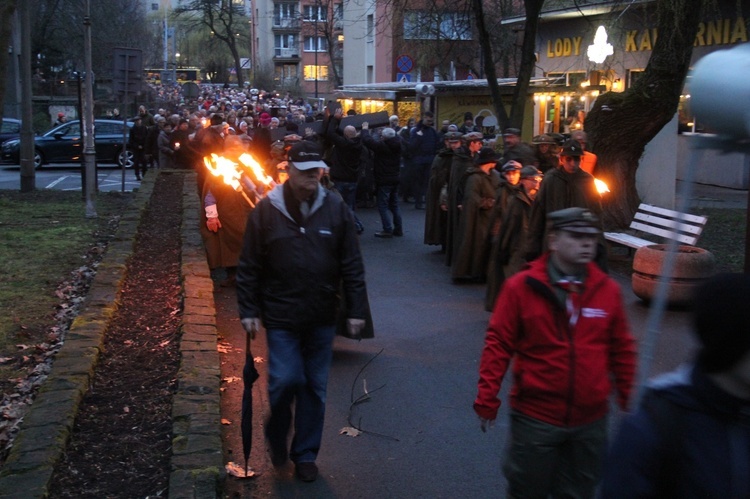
(237, 470)
(349, 431)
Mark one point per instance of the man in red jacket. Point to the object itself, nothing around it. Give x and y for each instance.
(563, 320)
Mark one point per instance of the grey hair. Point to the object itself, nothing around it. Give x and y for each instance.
(388, 133)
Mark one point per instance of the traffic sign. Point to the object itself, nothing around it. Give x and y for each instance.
(404, 63)
(403, 77)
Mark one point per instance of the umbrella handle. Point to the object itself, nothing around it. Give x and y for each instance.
(247, 343)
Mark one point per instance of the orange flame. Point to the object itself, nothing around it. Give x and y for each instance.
(601, 187)
(257, 170)
(220, 166)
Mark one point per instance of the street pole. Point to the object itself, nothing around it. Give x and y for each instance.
(315, 45)
(89, 152)
(28, 179)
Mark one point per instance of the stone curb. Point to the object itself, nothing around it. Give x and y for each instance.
(46, 428)
(197, 465)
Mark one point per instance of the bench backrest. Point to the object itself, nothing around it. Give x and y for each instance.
(668, 224)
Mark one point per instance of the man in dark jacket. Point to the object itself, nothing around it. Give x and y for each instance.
(346, 160)
(563, 324)
(300, 246)
(689, 437)
(387, 170)
(563, 187)
(137, 143)
(423, 145)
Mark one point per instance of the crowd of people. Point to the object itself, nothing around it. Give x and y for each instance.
(523, 219)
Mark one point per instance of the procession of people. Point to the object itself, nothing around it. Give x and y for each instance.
(280, 195)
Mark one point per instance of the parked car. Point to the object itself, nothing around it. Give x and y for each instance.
(63, 144)
(10, 129)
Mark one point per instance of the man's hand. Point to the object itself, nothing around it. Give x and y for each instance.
(251, 325)
(486, 424)
(354, 327)
(213, 224)
(365, 125)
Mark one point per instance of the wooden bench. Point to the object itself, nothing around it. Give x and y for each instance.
(668, 224)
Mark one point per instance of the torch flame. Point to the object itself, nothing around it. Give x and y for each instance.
(601, 187)
(220, 166)
(255, 167)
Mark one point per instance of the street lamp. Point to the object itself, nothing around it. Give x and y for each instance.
(315, 45)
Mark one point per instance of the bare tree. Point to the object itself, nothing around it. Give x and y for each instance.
(7, 8)
(57, 34)
(525, 69)
(621, 124)
(225, 19)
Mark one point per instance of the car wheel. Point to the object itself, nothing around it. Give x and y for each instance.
(38, 160)
(125, 157)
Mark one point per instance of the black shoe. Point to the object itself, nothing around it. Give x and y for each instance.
(307, 471)
(398, 232)
(384, 233)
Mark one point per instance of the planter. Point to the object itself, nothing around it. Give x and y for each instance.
(692, 266)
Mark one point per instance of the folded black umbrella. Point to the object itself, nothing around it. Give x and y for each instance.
(249, 375)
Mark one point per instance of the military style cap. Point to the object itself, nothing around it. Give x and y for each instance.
(529, 171)
(473, 136)
(574, 219)
(512, 131)
(543, 139)
(453, 136)
(511, 166)
(571, 148)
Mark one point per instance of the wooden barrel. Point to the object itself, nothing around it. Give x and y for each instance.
(692, 266)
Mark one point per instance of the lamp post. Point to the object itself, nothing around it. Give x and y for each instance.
(315, 45)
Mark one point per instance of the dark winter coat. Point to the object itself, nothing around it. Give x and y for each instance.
(387, 160)
(460, 164)
(558, 190)
(423, 144)
(477, 202)
(688, 439)
(346, 156)
(436, 219)
(290, 273)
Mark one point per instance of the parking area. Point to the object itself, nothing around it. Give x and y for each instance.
(68, 178)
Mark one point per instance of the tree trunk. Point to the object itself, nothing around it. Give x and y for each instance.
(621, 124)
(485, 46)
(528, 60)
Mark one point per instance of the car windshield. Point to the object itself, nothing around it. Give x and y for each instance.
(71, 129)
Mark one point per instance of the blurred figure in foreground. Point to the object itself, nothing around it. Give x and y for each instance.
(690, 437)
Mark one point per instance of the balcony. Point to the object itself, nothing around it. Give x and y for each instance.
(286, 53)
(286, 23)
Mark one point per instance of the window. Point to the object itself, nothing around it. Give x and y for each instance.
(286, 71)
(285, 46)
(321, 72)
(10, 127)
(314, 13)
(316, 44)
(422, 25)
(284, 13)
(370, 28)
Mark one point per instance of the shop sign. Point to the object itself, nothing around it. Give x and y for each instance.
(719, 32)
